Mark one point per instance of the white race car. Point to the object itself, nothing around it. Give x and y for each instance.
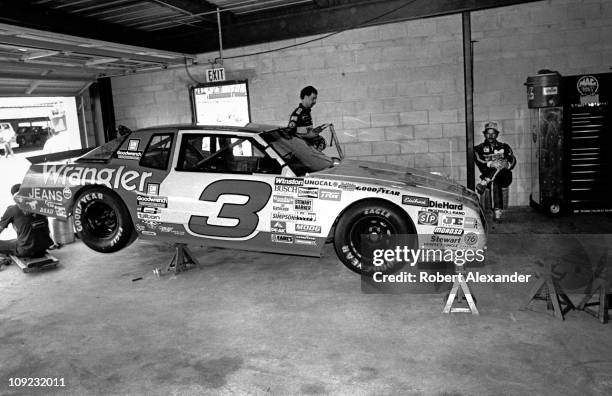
(254, 188)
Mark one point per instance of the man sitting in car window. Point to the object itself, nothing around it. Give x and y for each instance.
(32, 230)
(300, 120)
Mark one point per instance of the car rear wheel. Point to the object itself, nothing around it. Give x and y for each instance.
(102, 221)
(367, 227)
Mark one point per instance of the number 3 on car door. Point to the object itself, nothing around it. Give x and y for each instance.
(258, 194)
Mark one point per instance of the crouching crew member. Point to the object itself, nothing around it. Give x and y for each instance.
(32, 230)
(495, 161)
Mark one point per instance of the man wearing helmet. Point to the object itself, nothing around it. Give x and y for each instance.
(495, 161)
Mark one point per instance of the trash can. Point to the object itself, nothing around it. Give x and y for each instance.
(62, 231)
(544, 89)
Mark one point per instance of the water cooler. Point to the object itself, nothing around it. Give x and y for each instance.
(547, 142)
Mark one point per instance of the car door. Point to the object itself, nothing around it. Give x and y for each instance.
(220, 187)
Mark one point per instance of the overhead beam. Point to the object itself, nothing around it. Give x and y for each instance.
(85, 50)
(324, 17)
(37, 16)
(44, 76)
(190, 7)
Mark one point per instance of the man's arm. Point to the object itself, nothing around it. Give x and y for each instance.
(7, 218)
(509, 156)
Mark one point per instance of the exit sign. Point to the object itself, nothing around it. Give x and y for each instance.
(213, 75)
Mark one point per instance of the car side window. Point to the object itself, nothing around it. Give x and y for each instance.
(226, 154)
(157, 153)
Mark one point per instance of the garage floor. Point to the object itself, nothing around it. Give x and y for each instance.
(250, 323)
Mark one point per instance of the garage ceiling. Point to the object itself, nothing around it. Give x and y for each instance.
(57, 47)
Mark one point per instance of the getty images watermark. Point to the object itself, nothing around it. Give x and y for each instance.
(403, 255)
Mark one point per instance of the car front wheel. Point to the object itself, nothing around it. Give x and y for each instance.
(367, 227)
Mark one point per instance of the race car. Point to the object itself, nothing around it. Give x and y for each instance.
(256, 188)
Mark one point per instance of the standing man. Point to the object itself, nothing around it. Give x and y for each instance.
(495, 161)
(300, 120)
(32, 230)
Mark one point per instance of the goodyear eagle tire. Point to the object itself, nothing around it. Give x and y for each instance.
(366, 227)
(102, 221)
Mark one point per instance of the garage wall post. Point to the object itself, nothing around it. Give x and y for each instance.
(468, 72)
(108, 110)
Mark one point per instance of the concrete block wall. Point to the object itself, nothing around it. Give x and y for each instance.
(395, 92)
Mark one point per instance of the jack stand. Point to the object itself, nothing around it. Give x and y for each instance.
(553, 294)
(600, 283)
(179, 262)
(459, 290)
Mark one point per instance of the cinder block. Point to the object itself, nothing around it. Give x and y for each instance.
(371, 134)
(413, 146)
(427, 131)
(402, 160)
(399, 104)
(428, 160)
(384, 120)
(453, 130)
(383, 148)
(357, 149)
(399, 133)
(413, 117)
(356, 122)
(443, 116)
(427, 103)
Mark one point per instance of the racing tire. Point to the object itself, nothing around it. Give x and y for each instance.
(382, 223)
(102, 221)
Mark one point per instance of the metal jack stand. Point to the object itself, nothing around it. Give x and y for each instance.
(600, 283)
(460, 290)
(181, 259)
(553, 294)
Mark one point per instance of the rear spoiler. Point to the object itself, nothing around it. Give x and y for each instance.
(62, 155)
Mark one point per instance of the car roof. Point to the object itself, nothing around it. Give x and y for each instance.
(250, 127)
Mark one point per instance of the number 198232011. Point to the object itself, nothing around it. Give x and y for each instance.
(36, 382)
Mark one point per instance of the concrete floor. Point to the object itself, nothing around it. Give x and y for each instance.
(250, 323)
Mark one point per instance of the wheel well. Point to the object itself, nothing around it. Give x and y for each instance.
(378, 201)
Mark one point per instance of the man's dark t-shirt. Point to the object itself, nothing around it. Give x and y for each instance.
(32, 231)
(300, 118)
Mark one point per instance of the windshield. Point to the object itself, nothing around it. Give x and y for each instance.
(104, 152)
(300, 157)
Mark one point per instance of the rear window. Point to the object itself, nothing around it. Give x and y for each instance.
(103, 153)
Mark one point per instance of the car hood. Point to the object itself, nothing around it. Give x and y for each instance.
(399, 176)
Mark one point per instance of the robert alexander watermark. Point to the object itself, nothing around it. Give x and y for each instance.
(405, 256)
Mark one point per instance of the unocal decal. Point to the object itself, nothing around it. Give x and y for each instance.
(112, 178)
